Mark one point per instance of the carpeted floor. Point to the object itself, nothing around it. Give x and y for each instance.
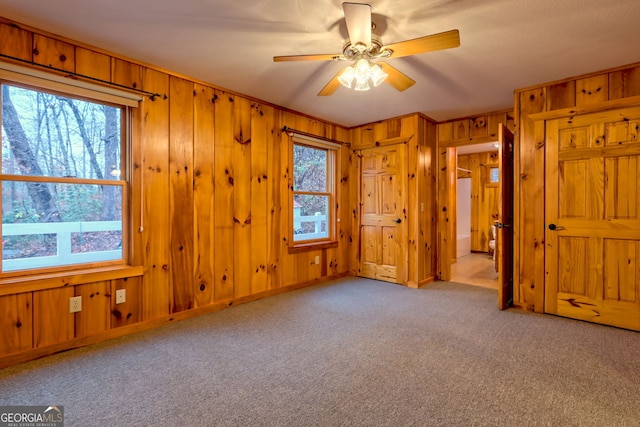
(349, 352)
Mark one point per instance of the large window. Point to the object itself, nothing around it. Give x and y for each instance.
(63, 179)
(313, 193)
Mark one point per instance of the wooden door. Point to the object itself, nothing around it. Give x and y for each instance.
(383, 221)
(504, 237)
(592, 214)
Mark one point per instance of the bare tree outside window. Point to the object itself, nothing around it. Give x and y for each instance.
(61, 180)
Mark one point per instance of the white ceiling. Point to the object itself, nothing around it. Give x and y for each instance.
(505, 45)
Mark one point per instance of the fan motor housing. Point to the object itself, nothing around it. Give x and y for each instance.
(376, 50)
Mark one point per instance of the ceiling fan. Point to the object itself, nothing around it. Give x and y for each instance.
(365, 49)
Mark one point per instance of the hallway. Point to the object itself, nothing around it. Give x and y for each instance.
(476, 269)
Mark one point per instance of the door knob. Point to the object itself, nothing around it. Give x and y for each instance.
(398, 220)
(553, 227)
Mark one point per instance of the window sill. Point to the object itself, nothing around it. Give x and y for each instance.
(306, 247)
(38, 282)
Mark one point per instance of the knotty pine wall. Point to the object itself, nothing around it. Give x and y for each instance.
(210, 181)
(592, 92)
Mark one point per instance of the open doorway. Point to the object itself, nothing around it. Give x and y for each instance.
(477, 195)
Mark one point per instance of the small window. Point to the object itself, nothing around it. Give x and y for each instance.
(63, 181)
(313, 194)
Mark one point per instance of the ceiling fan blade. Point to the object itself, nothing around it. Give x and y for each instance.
(358, 19)
(396, 78)
(319, 57)
(331, 87)
(446, 40)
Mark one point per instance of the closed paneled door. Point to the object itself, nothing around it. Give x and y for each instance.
(383, 248)
(592, 217)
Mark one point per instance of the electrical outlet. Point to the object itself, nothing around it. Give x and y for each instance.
(121, 296)
(317, 259)
(75, 304)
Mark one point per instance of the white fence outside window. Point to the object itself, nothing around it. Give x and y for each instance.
(64, 254)
(319, 221)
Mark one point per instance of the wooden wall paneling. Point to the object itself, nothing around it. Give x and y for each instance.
(445, 132)
(16, 42)
(531, 203)
(16, 323)
(93, 64)
(412, 203)
(181, 192)
(461, 129)
(354, 204)
(426, 208)
(478, 126)
(134, 211)
(275, 212)
(154, 189)
(561, 95)
(327, 256)
(289, 267)
(242, 227)
(478, 204)
(96, 307)
(592, 90)
(52, 322)
(130, 311)
(446, 161)
(493, 122)
(344, 226)
(223, 195)
(395, 127)
(431, 201)
(126, 73)
(624, 83)
(307, 267)
(380, 132)
(203, 190)
(421, 213)
(53, 53)
(262, 126)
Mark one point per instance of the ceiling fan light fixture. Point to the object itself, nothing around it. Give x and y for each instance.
(378, 75)
(362, 75)
(347, 77)
(362, 85)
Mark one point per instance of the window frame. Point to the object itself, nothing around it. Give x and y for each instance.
(332, 153)
(31, 79)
